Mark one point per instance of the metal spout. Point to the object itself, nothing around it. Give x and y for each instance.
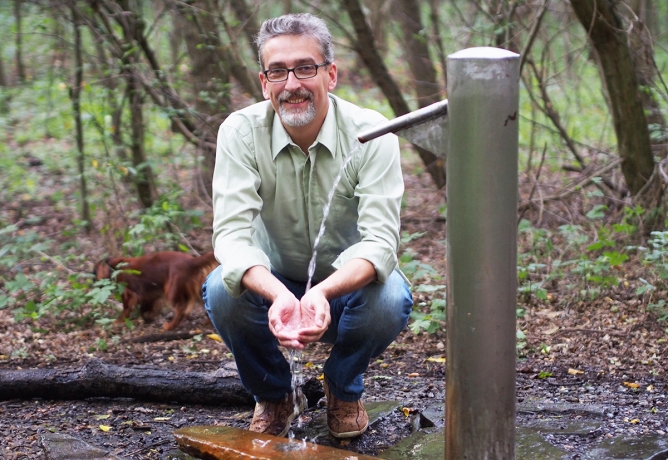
(426, 127)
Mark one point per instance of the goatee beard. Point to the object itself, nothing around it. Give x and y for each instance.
(296, 118)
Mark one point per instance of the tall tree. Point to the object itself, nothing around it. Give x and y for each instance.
(20, 68)
(641, 42)
(610, 42)
(75, 95)
(208, 75)
(3, 76)
(416, 52)
(363, 43)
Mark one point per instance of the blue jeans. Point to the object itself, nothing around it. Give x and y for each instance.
(364, 323)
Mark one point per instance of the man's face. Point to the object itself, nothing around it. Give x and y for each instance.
(297, 102)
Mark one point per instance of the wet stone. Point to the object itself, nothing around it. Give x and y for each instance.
(531, 445)
(564, 426)
(423, 445)
(222, 442)
(625, 448)
(537, 407)
(59, 446)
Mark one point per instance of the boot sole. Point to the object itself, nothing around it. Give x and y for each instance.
(348, 434)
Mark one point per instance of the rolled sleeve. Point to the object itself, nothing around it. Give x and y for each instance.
(236, 204)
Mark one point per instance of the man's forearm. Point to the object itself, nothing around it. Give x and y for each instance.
(262, 282)
(354, 275)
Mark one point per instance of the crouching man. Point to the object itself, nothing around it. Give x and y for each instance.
(276, 163)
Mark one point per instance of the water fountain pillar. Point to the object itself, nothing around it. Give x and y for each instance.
(482, 193)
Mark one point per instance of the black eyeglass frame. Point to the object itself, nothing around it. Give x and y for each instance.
(287, 75)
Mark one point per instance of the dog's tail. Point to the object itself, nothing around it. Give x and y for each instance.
(205, 263)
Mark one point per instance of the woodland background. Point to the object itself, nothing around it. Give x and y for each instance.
(109, 111)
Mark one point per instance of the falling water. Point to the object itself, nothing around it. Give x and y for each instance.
(294, 355)
(325, 213)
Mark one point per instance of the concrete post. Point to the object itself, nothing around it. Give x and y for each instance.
(483, 95)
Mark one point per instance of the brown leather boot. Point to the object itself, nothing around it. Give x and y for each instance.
(345, 419)
(275, 417)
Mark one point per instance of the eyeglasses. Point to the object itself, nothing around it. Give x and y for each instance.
(302, 72)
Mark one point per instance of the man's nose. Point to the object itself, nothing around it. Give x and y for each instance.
(292, 81)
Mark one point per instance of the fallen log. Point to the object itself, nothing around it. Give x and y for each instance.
(99, 380)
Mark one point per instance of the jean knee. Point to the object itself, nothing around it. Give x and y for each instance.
(217, 301)
(391, 304)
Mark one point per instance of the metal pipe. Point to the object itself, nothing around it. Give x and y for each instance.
(408, 120)
(483, 94)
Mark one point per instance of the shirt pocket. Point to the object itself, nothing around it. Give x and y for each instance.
(342, 220)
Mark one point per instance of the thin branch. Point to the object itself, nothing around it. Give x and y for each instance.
(535, 181)
(576, 186)
(535, 28)
(55, 261)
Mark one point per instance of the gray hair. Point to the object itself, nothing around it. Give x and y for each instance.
(296, 24)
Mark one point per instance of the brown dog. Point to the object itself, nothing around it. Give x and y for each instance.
(173, 276)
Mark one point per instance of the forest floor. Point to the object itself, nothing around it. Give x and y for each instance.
(607, 354)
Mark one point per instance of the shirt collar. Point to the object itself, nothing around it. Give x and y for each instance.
(327, 135)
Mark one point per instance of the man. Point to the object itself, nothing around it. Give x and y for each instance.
(276, 163)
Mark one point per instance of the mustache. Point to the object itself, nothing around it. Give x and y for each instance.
(285, 95)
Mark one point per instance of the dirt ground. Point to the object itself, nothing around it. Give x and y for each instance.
(609, 353)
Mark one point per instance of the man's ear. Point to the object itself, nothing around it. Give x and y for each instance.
(263, 81)
(332, 76)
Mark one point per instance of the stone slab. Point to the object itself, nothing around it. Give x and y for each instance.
(58, 446)
(627, 448)
(227, 443)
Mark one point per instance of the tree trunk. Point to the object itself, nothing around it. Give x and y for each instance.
(144, 180)
(609, 40)
(97, 379)
(364, 45)
(210, 83)
(20, 68)
(416, 54)
(248, 21)
(641, 42)
(3, 76)
(75, 94)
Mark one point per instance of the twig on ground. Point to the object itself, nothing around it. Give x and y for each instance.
(162, 337)
(589, 331)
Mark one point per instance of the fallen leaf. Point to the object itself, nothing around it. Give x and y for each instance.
(436, 359)
(101, 417)
(321, 377)
(105, 428)
(162, 419)
(575, 372)
(413, 374)
(631, 385)
(548, 313)
(552, 330)
(215, 337)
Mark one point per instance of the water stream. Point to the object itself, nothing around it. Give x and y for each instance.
(294, 355)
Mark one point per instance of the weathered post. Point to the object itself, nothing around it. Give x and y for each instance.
(483, 95)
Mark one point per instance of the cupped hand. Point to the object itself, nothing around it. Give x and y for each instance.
(285, 318)
(315, 316)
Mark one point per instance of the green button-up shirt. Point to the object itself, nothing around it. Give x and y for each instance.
(268, 196)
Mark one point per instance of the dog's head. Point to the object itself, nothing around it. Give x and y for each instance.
(102, 269)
